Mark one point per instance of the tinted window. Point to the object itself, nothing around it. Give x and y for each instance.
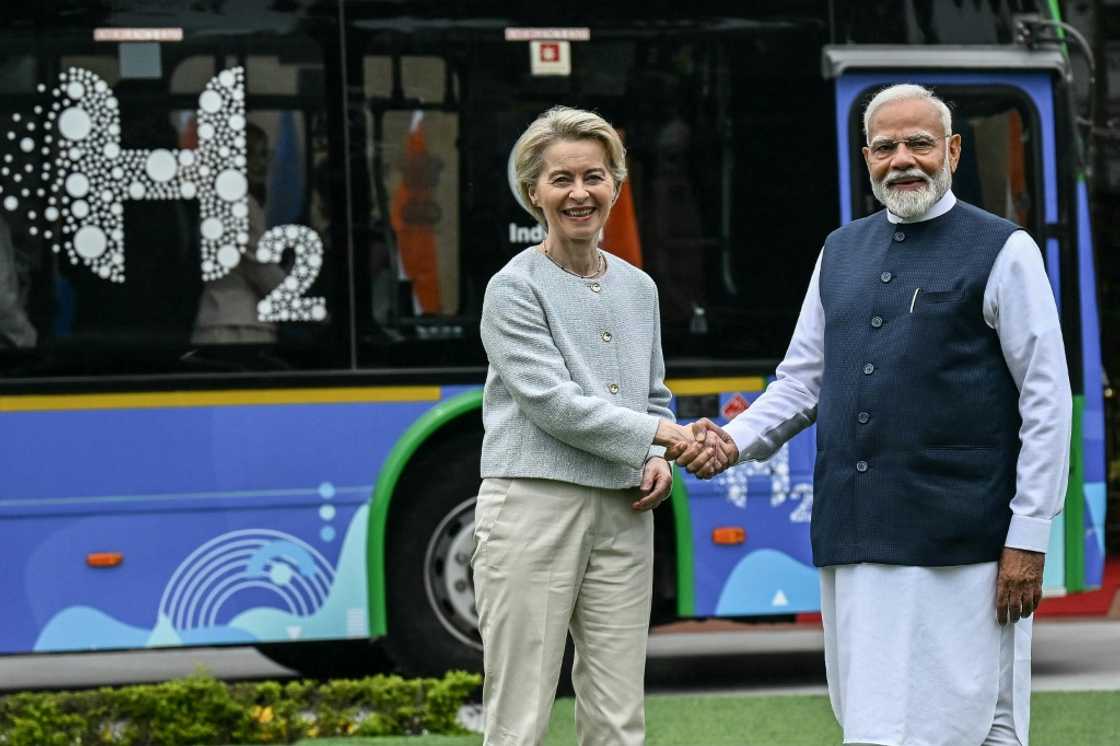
(138, 180)
(731, 188)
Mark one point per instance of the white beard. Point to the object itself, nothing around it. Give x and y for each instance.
(915, 203)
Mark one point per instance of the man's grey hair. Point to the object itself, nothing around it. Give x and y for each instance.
(905, 92)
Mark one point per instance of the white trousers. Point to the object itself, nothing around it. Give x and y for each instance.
(915, 657)
(552, 557)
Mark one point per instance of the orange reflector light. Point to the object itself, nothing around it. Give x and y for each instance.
(104, 559)
(729, 535)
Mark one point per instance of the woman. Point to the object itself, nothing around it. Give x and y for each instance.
(576, 416)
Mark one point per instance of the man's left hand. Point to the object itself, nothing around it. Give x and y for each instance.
(1019, 584)
(657, 480)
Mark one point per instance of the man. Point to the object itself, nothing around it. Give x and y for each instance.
(929, 352)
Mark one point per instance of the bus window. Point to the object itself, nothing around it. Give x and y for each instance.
(190, 75)
(171, 304)
(705, 210)
(414, 306)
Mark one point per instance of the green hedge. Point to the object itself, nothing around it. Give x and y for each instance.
(202, 711)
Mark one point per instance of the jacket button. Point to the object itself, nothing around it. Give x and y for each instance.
(886, 277)
(861, 466)
(876, 321)
(596, 287)
(606, 336)
(864, 417)
(868, 369)
(613, 388)
(899, 236)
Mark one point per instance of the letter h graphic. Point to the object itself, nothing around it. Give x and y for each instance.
(86, 176)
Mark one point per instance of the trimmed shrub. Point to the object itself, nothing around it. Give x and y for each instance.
(202, 711)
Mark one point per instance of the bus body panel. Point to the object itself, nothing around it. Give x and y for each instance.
(264, 514)
(771, 571)
(232, 521)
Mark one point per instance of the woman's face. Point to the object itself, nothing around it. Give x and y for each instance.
(575, 190)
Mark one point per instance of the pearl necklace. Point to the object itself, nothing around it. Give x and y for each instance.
(600, 265)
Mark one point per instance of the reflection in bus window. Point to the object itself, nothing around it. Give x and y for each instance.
(413, 158)
(15, 328)
(105, 65)
(191, 74)
(164, 317)
(227, 311)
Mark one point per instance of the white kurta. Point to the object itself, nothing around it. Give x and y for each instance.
(914, 654)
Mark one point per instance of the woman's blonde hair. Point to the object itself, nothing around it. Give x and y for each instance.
(556, 124)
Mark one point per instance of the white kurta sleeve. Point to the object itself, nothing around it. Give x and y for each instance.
(1019, 305)
(789, 404)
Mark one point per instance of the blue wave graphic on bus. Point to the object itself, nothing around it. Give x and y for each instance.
(309, 599)
(272, 561)
(767, 582)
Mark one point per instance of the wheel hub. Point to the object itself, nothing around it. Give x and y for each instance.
(448, 579)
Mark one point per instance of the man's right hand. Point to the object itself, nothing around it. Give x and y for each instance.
(711, 452)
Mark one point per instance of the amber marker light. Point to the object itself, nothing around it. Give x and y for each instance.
(729, 535)
(104, 559)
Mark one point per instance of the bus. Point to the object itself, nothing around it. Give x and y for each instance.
(243, 251)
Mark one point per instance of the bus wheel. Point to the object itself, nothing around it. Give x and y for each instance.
(433, 624)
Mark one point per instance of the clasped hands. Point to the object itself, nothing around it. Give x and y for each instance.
(702, 447)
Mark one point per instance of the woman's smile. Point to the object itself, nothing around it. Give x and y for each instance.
(575, 192)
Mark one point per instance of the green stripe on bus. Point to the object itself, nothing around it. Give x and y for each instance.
(1056, 15)
(682, 520)
(1075, 504)
(395, 463)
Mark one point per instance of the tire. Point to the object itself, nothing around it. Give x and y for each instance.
(433, 624)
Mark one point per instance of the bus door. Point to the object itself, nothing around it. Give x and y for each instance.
(1019, 161)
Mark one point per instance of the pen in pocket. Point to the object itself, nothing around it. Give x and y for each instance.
(914, 299)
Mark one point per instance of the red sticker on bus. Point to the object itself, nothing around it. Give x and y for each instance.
(734, 406)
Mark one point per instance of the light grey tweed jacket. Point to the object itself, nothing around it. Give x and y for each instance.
(576, 381)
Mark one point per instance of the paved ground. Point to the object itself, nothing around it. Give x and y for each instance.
(715, 658)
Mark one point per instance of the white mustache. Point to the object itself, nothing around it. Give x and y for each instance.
(910, 173)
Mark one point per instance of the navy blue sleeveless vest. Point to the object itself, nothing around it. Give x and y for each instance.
(918, 420)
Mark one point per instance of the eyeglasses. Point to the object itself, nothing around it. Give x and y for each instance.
(918, 145)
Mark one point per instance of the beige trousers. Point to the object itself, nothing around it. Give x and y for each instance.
(552, 557)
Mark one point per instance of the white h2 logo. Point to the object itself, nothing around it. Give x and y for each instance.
(85, 177)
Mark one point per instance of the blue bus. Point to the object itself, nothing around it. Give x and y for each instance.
(242, 255)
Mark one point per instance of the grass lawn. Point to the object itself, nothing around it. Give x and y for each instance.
(1057, 719)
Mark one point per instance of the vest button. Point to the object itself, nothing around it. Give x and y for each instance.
(606, 336)
(613, 388)
(886, 277)
(876, 321)
(861, 466)
(864, 417)
(899, 236)
(868, 369)
(595, 287)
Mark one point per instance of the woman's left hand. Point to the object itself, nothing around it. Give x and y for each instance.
(657, 480)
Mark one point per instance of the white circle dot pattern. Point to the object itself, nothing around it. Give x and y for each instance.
(81, 171)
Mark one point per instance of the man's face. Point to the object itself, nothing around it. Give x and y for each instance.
(909, 158)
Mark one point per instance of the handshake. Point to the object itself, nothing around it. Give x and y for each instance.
(702, 447)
